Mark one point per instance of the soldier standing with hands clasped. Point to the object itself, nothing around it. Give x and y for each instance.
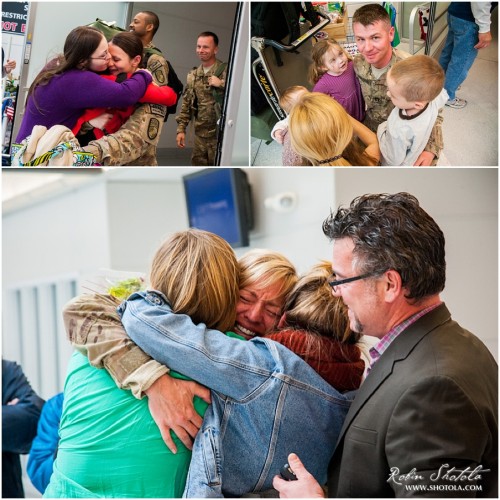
(202, 101)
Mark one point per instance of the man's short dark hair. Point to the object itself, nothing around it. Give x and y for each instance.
(152, 18)
(212, 34)
(392, 231)
(371, 13)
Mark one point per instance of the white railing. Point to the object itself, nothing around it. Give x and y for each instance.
(33, 331)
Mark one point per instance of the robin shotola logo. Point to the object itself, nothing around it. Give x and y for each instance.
(445, 473)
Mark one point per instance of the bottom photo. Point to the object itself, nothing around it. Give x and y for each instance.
(256, 332)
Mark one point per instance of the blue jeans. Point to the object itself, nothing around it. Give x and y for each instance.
(459, 52)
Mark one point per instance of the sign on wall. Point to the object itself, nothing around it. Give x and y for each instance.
(14, 30)
(14, 17)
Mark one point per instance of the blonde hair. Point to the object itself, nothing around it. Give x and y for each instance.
(318, 53)
(198, 273)
(267, 268)
(321, 131)
(419, 78)
(311, 306)
(290, 96)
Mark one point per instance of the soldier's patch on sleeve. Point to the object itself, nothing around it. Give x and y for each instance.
(158, 110)
(153, 128)
(155, 64)
(159, 76)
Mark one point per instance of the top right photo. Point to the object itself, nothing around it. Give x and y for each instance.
(402, 84)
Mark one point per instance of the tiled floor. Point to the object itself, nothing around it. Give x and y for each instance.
(174, 157)
(470, 134)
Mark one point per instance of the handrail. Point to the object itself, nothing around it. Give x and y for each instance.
(412, 25)
(430, 29)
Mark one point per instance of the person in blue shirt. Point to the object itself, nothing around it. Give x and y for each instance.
(21, 408)
(468, 32)
(44, 448)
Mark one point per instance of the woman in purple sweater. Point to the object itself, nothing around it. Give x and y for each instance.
(62, 91)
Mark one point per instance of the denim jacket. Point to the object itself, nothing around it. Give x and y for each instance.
(266, 401)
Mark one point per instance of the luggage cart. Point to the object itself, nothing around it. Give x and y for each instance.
(261, 67)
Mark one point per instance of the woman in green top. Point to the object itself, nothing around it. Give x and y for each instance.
(110, 445)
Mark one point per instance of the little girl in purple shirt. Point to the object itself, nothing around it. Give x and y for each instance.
(332, 73)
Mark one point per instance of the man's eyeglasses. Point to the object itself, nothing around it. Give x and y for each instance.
(334, 284)
(103, 57)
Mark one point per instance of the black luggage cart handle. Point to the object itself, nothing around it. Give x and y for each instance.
(260, 68)
(259, 43)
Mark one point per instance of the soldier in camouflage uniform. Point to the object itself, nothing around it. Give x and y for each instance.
(136, 141)
(202, 100)
(145, 25)
(374, 34)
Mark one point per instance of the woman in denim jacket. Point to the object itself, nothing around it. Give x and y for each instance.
(266, 401)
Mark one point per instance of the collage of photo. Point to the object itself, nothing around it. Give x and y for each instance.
(199, 300)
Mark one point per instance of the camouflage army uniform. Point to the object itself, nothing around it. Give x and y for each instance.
(157, 65)
(204, 116)
(95, 330)
(136, 140)
(379, 104)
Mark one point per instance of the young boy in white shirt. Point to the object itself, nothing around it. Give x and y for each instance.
(415, 86)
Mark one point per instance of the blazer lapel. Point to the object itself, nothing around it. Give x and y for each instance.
(400, 348)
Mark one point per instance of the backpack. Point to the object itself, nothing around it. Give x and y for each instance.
(108, 29)
(176, 85)
(217, 94)
(55, 147)
(173, 80)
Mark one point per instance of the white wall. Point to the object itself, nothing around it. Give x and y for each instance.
(236, 128)
(45, 247)
(67, 233)
(137, 229)
(297, 234)
(54, 20)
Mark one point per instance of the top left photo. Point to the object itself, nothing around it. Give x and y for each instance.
(89, 84)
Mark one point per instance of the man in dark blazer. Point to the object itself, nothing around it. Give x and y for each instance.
(424, 422)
